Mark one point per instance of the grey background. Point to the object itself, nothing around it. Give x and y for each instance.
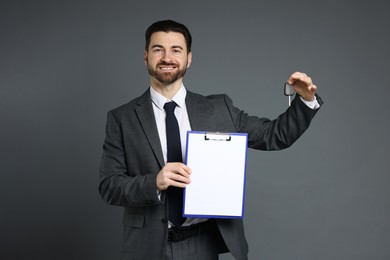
(64, 64)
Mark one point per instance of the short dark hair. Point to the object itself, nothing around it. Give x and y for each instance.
(168, 26)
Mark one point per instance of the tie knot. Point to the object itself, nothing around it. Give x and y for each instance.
(170, 106)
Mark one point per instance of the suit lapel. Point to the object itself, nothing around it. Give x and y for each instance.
(145, 116)
(197, 108)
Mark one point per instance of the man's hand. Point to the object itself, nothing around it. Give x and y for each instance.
(173, 174)
(303, 85)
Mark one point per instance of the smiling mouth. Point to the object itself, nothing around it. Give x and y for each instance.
(167, 68)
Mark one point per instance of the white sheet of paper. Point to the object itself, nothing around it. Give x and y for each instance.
(217, 187)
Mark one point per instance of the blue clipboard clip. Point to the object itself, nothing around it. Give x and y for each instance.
(217, 136)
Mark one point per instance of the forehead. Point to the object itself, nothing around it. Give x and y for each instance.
(167, 39)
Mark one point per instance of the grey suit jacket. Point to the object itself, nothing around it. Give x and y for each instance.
(132, 157)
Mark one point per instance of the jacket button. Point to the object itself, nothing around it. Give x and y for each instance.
(164, 220)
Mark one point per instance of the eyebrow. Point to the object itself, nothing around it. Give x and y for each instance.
(172, 47)
(177, 47)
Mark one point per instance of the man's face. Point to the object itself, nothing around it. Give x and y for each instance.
(167, 57)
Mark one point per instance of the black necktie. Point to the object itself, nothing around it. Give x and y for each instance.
(175, 194)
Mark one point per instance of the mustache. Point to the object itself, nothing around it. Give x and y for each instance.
(167, 63)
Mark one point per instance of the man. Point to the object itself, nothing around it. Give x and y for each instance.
(136, 171)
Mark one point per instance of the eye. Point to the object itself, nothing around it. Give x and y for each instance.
(176, 50)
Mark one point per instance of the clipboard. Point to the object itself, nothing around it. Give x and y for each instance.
(218, 164)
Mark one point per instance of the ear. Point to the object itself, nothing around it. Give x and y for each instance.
(189, 59)
(146, 57)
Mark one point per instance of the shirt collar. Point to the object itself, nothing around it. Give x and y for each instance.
(159, 100)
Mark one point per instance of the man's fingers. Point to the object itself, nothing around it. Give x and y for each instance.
(313, 88)
(303, 85)
(180, 178)
(174, 179)
(178, 184)
(179, 168)
(300, 76)
(173, 174)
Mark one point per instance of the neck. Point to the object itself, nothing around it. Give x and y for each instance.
(166, 90)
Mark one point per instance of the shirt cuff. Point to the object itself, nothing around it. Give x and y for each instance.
(312, 104)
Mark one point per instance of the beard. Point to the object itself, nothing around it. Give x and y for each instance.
(167, 77)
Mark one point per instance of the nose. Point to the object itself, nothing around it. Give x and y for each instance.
(166, 57)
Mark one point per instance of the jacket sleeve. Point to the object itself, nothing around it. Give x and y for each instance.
(116, 185)
(277, 134)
